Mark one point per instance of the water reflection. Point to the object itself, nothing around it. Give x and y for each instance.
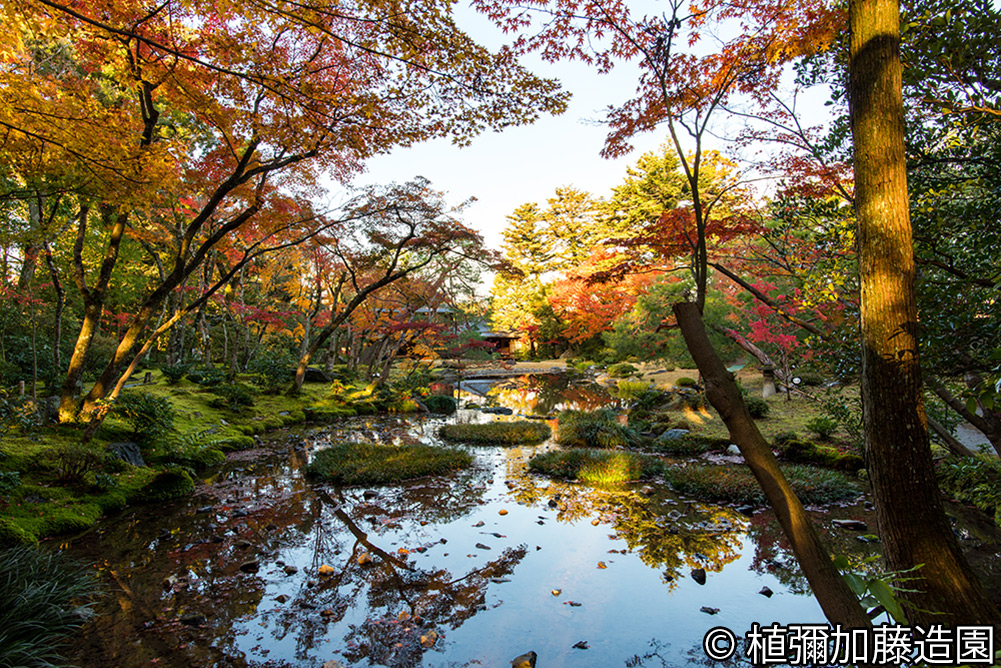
(265, 568)
(543, 394)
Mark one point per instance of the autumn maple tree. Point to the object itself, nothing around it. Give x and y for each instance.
(180, 124)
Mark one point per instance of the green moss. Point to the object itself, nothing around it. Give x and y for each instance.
(372, 463)
(12, 533)
(736, 484)
(169, 484)
(804, 452)
(522, 432)
(597, 467)
(242, 442)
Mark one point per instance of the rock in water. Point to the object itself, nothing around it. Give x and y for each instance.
(709, 611)
(857, 525)
(581, 645)
(251, 566)
(526, 660)
(672, 434)
(766, 592)
(699, 575)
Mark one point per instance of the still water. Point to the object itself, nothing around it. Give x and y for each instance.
(263, 567)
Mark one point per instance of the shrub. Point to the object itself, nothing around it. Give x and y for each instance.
(736, 484)
(272, 370)
(206, 375)
(41, 592)
(595, 429)
(373, 463)
(522, 432)
(173, 373)
(757, 407)
(622, 370)
(630, 389)
(75, 461)
(685, 381)
(151, 417)
(975, 480)
(785, 436)
(439, 403)
(823, 426)
(598, 467)
(236, 396)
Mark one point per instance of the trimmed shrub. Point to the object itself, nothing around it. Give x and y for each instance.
(522, 432)
(206, 375)
(622, 370)
(173, 373)
(374, 463)
(597, 467)
(757, 407)
(439, 403)
(594, 429)
(41, 593)
(151, 416)
(685, 381)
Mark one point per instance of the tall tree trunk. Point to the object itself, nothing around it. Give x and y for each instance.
(93, 301)
(835, 597)
(912, 521)
(57, 314)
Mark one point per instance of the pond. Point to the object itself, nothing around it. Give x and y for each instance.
(263, 567)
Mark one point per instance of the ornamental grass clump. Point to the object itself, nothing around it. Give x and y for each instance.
(594, 429)
(596, 467)
(522, 432)
(375, 463)
(736, 484)
(43, 598)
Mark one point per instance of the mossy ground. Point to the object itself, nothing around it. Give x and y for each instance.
(377, 464)
(596, 467)
(735, 484)
(67, 486)
(522, 432)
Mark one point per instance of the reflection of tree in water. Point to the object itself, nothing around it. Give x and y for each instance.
(406, 607)
(658, 657)
(543, 394)
(672, 537)
(774, 555)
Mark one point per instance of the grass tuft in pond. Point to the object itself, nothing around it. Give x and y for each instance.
(597, 467)
(374, 463)
(593, 429)
(735, 484)
(40, 591)
(497, 433)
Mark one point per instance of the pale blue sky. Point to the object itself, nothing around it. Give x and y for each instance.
(523, 164)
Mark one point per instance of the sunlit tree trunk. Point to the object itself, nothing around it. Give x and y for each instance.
(912, 522)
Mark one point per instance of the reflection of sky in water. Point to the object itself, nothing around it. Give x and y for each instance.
(486, 603)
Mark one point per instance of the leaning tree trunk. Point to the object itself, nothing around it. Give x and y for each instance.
(912, 522)
(836, 599)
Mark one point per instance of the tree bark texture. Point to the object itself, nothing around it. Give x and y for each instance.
(836, 599)
(912, 521)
